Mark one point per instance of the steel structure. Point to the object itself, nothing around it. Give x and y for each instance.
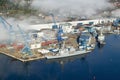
(55, 26)
(59, 37)
(26, 49)
(116, 23)
(9, 28)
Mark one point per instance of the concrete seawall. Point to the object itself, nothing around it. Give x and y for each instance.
(74, 23)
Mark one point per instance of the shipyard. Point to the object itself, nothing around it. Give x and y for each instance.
(59, 40)
(38, 43)
(44, 40)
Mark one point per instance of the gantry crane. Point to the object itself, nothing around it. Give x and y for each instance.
(55, 26)
(26, 49)
(9, 28)
(59, 37)
(116, 23)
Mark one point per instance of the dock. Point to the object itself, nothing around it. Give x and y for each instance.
(21, 57)
(27, 45)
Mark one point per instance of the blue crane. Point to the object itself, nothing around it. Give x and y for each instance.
(116, 22)
(4, 25)
(8, 27)
(59, 37)
(55, 26)
(91, 23)
(92, 31)
(26, 48)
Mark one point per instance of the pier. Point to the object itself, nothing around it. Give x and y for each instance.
(27, 46)
(21, 57)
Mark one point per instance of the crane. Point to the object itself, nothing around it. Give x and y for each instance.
(59, 37)
(8, 27)
(92, 31)
(55, 26)
(4, 25)
(26, 49)
(116, 22)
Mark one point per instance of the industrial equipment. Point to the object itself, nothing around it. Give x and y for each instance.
(26, 49)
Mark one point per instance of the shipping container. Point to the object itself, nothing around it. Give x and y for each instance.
(2, 45)
(48, 42)
(18, 46)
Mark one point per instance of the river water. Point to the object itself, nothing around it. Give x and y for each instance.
(103, 63)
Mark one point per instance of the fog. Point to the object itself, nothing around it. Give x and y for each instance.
(70, 7)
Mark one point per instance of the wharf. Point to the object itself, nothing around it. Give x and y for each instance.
(17, 54)
(21, 57)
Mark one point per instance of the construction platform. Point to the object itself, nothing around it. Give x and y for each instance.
(17, 54)
(22, 57)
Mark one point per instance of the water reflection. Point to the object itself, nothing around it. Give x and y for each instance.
(100, 46)
(11, 69)
(90, 66)
(71, 68)
(67, 59)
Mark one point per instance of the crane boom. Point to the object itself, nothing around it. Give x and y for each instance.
(9, 28)
(4, 25)
(55, 26)
(26, 48)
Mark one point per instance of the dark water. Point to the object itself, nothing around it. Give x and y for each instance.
(101, 64)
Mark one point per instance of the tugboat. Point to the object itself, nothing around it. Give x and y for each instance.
(101, 37)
